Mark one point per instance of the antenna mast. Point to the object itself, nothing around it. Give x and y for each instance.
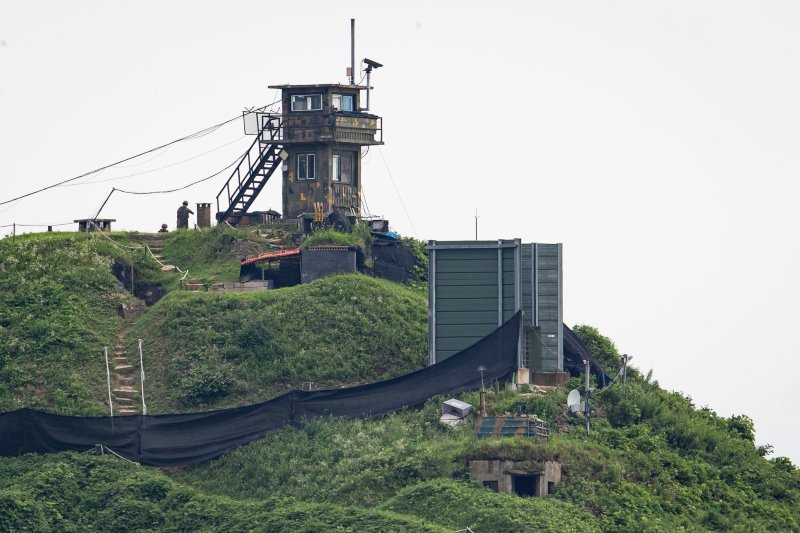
(352, 51)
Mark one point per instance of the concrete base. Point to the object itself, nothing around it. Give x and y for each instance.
(249, 286)
(523, 376)
(133, 309)
(549, 379)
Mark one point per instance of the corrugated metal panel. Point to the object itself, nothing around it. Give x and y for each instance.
(457, 344)
(475, 286)
(468, 304)
(466, 317)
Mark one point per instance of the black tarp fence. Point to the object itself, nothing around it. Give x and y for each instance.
(187, 439)
(576, 352)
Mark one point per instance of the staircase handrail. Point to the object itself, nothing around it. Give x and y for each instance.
(274, 131)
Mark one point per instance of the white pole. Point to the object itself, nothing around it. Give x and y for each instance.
(108, 380)
(141, 366)
(587, 411)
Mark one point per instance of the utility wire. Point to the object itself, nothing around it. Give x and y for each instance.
(194, 135)
(402, 203)
(158, 168)
(36, 225)
(214, 175)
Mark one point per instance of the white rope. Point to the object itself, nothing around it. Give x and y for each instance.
(103, 233)
(102, 447)
(185, 273)
(138, 247)
(141, 367)
(108, 378)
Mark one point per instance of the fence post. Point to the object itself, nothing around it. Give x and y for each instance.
(141, 367)
(108, 380)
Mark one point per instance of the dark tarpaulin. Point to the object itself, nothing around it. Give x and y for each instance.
(392, 259)
(497, 352)
(29, 431)
(186, 439)
(575, 353)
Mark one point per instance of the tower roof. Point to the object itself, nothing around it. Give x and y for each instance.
(319, 86)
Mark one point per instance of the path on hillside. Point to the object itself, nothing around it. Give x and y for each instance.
(125, 396)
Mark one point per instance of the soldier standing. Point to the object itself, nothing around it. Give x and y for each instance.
(183, 215)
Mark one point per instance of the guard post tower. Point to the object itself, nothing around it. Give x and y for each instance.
(325, 129)
(315, 143)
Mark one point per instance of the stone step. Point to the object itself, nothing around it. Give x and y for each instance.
(169, 268)
(126, 381)
(194, 280)
(123, 400)
(128, 411)
(123, 368)
(119, 346)
(121, 358)
(195, 286)
(126, 391)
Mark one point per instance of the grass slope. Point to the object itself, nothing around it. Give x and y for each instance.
(209, 349)
(213, 255)
(652, 463)
(70, 493)
(58, 309)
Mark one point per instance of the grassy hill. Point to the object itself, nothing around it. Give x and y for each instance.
(653, 462)
(207, 349)
(58, 309)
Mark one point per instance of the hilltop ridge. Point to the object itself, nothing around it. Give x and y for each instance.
(653, 462)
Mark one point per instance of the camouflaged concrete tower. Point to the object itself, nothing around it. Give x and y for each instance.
(314, 143)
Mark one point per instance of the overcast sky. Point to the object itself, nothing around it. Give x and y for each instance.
(657, 141)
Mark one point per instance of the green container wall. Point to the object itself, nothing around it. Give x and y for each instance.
(474, 286)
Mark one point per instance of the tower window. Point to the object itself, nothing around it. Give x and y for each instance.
(306, 102)
(306, 167)
(343, 102)
(343, 167)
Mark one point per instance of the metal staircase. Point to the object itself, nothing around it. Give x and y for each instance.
(248, 179)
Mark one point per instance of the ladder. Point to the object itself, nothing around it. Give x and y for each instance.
(257, 165)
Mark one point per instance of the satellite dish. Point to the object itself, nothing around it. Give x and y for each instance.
(574, 401)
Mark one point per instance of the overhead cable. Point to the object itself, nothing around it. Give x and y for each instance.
(194, 135)
(397, 191)
(159, 168)
(214, 175)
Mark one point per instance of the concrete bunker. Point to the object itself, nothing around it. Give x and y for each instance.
(526, 479)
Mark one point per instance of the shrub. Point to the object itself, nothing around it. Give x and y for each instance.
(204, 384)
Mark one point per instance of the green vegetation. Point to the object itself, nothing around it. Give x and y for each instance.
(213, 254)
(71, 492)
(653, 462)
(601, 347)
(359, 237)
(453, 504)
(674, 469)
(59, 306)
(58, 309)
(419, 275)
(207, 349)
